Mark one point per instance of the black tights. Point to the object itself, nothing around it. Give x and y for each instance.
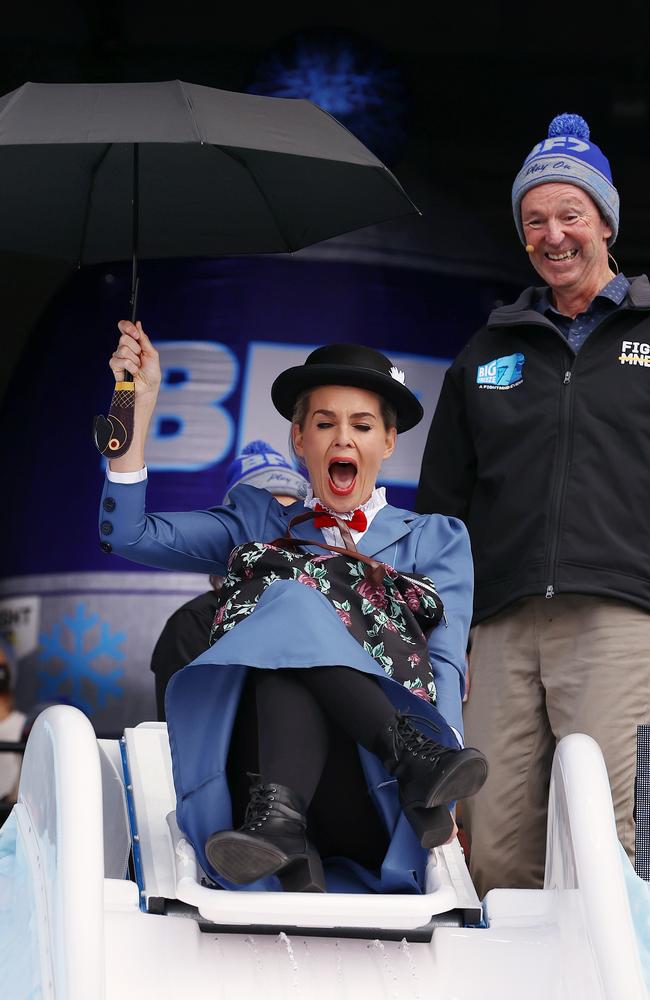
(308, 724)
(295, 710)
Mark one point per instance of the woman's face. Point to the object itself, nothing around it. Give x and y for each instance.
(343, 442)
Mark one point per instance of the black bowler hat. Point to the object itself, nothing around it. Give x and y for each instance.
(348, 364)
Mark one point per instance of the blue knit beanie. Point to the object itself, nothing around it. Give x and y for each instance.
(567, 157)
(262, 466)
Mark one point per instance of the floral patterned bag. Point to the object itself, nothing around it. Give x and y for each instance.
(387, 612)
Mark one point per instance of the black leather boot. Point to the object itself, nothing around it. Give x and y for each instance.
(271, 841)
(429, 776)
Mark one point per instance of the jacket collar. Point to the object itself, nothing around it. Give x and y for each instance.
(639, 293)
(524, 311)
(388, 526)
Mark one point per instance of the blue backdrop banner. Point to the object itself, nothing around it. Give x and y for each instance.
(224, 329)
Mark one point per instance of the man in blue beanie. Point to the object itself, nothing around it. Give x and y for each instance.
(540, 444)
(187, 632)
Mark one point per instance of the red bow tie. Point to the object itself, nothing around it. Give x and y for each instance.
(323, 519)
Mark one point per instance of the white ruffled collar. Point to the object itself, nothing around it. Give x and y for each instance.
(373, 504)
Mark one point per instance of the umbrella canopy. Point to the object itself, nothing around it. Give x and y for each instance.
(209, 172)
(99, 172)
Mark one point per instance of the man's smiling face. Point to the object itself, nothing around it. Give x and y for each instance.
(569, 237)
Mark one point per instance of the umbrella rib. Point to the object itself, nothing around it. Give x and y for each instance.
(89, 197)
(242, 163)
(190, 106)
(17, 94)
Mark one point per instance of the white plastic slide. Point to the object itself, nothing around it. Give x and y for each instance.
(101, 898)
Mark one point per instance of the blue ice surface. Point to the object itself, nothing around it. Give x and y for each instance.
(20, 973)
(638, 892)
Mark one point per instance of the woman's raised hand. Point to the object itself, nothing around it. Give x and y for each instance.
(136, 354)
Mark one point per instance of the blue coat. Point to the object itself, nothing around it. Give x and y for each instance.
(293, 626)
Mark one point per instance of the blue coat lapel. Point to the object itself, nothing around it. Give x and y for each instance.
(387, 527)
(304, 530)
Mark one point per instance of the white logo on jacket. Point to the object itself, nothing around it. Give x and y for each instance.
(635, 353)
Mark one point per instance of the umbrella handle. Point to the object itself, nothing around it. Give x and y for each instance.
(113, 434)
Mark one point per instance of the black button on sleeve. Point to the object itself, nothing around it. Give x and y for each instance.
(106, 547)
(106, 528)
(109, 504)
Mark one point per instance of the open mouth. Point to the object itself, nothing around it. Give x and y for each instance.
(567, 255)
(342, 476)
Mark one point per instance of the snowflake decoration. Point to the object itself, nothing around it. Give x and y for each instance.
(77, 643)
(345, 75)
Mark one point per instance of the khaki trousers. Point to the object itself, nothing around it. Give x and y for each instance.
(539, 670)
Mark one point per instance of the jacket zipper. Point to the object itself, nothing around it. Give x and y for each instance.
(560, 481)
(565, 437)
(560, 484)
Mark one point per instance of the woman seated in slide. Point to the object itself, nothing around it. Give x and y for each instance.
(319, 685)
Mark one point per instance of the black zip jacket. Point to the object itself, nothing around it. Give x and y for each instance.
(545, 455)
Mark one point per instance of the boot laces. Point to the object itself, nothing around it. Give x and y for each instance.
(407, 737)
(259, 806)
(271, 800)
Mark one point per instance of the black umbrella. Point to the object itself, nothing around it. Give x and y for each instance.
(103, 172)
